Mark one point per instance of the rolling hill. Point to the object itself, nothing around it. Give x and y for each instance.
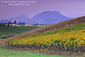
(48, 28)
(20, 18)
(4, 21)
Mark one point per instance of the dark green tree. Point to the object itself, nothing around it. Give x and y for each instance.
(9, 22)
(15, 22)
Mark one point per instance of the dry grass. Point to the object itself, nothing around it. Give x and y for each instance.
(0, 39)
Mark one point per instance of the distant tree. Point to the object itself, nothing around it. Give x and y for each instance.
(21, 23)
(0, 24)
(15, 22)
(9, 22)
(37, 24)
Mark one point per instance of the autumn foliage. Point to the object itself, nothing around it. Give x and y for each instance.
(73, 36)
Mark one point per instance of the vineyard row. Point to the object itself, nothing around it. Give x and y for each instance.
(51, 47)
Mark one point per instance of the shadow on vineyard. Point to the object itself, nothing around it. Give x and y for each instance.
(10, 31)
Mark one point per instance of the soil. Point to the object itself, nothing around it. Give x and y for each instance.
(0, 39)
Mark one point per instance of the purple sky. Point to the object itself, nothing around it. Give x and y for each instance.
(69, 8)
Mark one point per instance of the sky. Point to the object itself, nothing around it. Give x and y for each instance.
(69, 8)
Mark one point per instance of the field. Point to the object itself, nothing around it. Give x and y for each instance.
(9, 31)
(72, 38)
(15, 53)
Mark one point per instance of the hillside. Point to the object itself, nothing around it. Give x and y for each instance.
(71, 38)
(63, 24)
(48, 28)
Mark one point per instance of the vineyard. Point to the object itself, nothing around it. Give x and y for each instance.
(71, 38)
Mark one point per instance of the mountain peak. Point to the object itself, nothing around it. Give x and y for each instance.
(54, 11)
(49, 17)
(22, 15)
(51, 12)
